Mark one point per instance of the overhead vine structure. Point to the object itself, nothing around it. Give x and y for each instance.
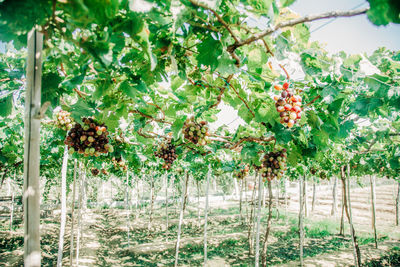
(148, 83)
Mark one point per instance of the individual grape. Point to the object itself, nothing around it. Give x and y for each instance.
(280, 108)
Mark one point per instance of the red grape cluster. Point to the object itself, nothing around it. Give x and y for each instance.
(91, 139)
(63, 120)
(195, 132)
(167, 152)
(273, 164)
(119, 163)
(243, 172)
(288, 105)
(313, 170)
(94, 171)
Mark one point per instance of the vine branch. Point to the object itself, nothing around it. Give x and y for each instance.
(135, 111)
(315, 99)
(253, 139)
(272, 54)
(244, 101)
(219, 18)
(293, 22)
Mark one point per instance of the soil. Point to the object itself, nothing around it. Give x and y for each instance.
(104, 240)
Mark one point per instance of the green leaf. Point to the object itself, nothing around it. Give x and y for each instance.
(335, 106)
(266, 112)
(126, 88)
(286, 3)
(314, 120)
(112, 122)
(382, 12)
(102, 86)
(245, 114)
(144, 41)
(320, 138)
(6, 104)
(378, 84)
(82, 109)
(226, 65)
(209, 51)
(50, 90)
(345, 128)
(329, 93)
(311, 64)
(176, 82)
(73, 82)
(294, 156)
(249, 153)
(177, 126)
(282, 134)
(256, 58)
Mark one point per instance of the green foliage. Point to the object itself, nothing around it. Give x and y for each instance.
(144, 72)
(383, 12)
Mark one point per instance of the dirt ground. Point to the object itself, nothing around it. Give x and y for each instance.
(106, 241)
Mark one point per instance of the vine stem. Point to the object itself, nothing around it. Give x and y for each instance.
(260, 192)
(63, 206)
(183, 204)
(272, 54)
(267, 231)
(206, 215)
(71, 251)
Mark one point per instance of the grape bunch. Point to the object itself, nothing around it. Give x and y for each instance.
(242, 172)
(119, 163)
(63, 120)
(313, 170)
(273, 164)
(195, 132)
(323, 175)
(94, 171)
(167, 152)
(91, 139)
(288, 105)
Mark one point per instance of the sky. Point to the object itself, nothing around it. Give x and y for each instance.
(352, 35)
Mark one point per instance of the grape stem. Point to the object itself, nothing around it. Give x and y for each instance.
(272, 54)
(312, 101)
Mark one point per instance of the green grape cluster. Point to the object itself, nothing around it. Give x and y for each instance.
(119, 163)
(63, 120)
(195, 132)
(323, 175)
